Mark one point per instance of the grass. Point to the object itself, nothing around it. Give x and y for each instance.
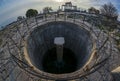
(117, 34)
(110, 29)
(1, 33)
(1, 42)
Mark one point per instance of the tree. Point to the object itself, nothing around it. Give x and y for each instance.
(93, 10)
(19, 18)
(97, 12)
(47, 10)
(109, 11)
(31, 13)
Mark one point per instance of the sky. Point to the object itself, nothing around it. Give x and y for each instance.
(11, 9)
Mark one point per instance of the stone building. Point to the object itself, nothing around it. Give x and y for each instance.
(69, 7)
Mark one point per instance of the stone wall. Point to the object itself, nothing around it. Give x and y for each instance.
(77, 39)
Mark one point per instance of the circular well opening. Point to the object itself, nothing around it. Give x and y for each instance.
(76, 50)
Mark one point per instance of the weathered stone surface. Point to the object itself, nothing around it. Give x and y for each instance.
(100, 75)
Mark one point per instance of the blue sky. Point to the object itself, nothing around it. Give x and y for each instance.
(11, 9)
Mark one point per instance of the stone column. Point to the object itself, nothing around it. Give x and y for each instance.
(59, 41)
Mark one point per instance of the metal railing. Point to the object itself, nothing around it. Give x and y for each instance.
(15, 43)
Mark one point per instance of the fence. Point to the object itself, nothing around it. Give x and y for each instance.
(14, 67)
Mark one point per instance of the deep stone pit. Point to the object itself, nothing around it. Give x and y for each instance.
(77, 48)
(50, 62)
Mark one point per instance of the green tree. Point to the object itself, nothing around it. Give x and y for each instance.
(93, 10)
(31, 13)
(47, 10)
(20, 18)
